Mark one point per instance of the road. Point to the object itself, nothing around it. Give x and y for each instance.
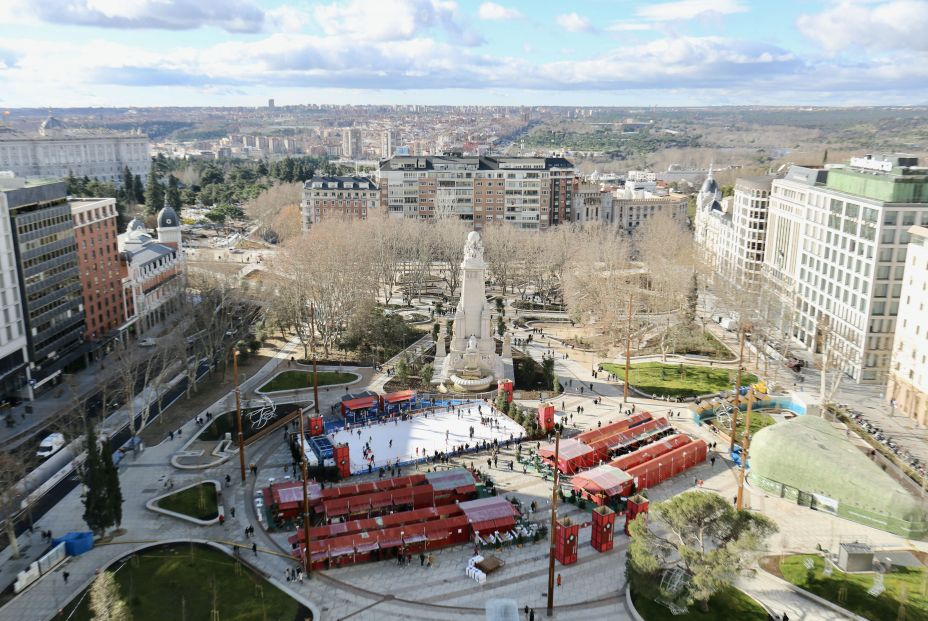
(54, 496)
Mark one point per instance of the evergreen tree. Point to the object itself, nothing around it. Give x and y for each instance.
(138, 190)
(72, 182)
(97, 510)
(128, 184)
(113, 491)
(173, 194)
(154, 193)
(262, 168)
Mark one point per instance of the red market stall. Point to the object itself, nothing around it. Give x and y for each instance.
(611, 429)
(489, 515)
(669, 464)
(602, 484)
(288, 497)
(636, 436)
(650, 451)
(572, 457)
(361, 409)
(395, 402)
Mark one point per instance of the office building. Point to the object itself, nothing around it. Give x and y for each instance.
(49, 277)
(836, 253)
(908, 377)
(14, 349)
(56, 150)
(527, 192)
(153, 271)
(98, 259)
(348, 198)
(730, 233)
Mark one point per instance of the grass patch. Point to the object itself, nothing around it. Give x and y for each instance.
(158, 584)
(904, 587)
(657, 378)
(198, 502)
(759, 420)
(691, 341)
(726, 605)
(296, 380)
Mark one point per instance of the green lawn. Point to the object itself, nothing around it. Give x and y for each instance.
(180, 582)
(759, 420)
(293, 380)
(726, 605)
(198, 502)
(657, 378)
(850, 590)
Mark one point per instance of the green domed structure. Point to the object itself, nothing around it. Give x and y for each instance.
(812, 463)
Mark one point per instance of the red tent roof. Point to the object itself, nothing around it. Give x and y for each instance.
(361, 403)
(588, 437)
(603, 478)
(402, 395)
(489, 514)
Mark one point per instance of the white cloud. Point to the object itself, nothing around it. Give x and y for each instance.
(395, 20)
(689, 9)
(894, 25)
(493, 11)
(627, 26)
(286, 19)
(230, 15)
(571, 22)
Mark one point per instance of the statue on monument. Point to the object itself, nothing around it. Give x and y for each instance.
(473, 248)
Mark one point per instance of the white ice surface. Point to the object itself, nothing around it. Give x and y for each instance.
(426, 434)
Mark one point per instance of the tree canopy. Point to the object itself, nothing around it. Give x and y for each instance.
(701, 534)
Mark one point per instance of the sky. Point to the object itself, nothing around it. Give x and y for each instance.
(65, 53)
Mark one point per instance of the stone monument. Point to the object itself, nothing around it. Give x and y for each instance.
(472, 363)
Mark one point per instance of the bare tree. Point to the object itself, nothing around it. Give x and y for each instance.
(214, 306)
(446, 238)
(13, 467)
(503, 245)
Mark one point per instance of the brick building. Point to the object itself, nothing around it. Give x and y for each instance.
(349, 198)
(95, 233)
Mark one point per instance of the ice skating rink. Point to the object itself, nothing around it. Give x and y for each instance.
(439, 431)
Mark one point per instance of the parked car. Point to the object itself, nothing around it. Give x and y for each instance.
(148, 342)
(50, 445)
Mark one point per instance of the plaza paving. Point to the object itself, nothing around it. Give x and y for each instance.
(590, 589)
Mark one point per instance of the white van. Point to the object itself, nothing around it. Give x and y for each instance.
(50, 445)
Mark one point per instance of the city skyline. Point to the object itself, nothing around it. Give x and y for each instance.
(693, 52)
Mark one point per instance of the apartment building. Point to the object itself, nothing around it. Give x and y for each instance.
(95, 234)
(349, 198)
(49, 278)
(908, 377)
(528, 192)
(351, 143)
(56, 150)
(389, 141)
(14, 349)
(630, 213)
(836, 251)
(153, 271)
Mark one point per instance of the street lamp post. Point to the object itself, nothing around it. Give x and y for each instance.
(746, 440)
(557, 451)
(307, 555)
(238, 415)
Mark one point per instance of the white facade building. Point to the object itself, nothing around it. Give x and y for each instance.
(14, 350)
(908, 377)
(56, 150)
(836, 249)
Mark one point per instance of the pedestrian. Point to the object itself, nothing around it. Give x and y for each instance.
(246, 532)
(531, 615)
(228, 480)
(254, 548)
(171, 434)
(785, 617)
(222, 519)
(65, 575)
(712, 461)
(559, 579)
(232, 511)
(428, 560)
(421, 559)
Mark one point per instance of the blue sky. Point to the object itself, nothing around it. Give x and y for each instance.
(59, 53)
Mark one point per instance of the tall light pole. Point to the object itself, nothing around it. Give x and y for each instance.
(628, 350)
(745, 442)
(735, 410)
(238, 415)
(307, 555)
(312, 323)
(557, 451)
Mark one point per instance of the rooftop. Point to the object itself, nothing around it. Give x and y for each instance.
(475, 162)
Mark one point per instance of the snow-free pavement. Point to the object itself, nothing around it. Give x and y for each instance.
(437, 431)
